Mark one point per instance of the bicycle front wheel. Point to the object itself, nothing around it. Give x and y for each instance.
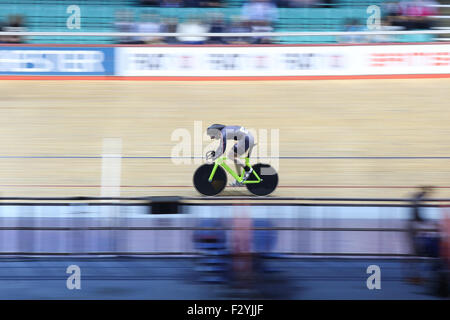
(205, 187)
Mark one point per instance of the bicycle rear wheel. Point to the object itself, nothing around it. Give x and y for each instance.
(269, 180)
(205, 187)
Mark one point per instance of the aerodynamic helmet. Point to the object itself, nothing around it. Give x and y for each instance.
(214, 130)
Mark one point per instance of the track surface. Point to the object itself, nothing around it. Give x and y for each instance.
(355, 138)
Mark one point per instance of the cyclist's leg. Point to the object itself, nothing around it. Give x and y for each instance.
(240, 148)
(249, 144)
(239, 164)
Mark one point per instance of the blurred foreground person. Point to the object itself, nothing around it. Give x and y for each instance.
(416, 240)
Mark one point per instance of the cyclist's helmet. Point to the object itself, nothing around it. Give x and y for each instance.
(214, 130)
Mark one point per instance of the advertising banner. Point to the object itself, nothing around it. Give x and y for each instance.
(283, 61)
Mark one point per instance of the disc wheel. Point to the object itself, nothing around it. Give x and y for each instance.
(269, 180)
(205, 187)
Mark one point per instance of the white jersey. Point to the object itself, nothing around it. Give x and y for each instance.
(243, 136)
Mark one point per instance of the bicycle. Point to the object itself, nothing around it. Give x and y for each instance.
(211, 179)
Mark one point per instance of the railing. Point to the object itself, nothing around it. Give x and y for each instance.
(265, 200)
(394, 35)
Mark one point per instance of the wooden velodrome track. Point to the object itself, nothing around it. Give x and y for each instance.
(367, 138)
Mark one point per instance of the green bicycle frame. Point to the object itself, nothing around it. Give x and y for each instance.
(221, 162)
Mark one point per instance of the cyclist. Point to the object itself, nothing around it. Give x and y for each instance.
(245, 143)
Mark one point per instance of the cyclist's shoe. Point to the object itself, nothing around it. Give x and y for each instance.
(236, 184)
(247, 174)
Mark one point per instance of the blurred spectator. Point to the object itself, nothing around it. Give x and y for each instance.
(262, 15)
(192, 25)
(153, 3)
(217, 24)
(191, 3)
(171, 3)
(238, 25)
(411, 15)
(352, 25)
(328, 4)
(385, 25)
(214, 258)
(210, 3)
(2, 25)
(302, 3)
(260, 11)
(150, 23)
(391, 9)
(391, 13)
(124, 23)
(183, 3)
(419, 12)
(170, 26)
(260, 27)
(15, 24)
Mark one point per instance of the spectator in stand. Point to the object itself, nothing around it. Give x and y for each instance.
(353, 25)
(302, 3)
(261, 27)
(171, 3)
(2, 40)
(124, 23)
(411, 14)
(192, 25)
(150, 23)
(418, 12)
(391, 12)
(238, 25)
(383, 38)
(191, 3)
(15, 24)
(260, 10)
(262, 15)
(217, 24)
(170, 26)
(203, 3)
(210, 3)
(150, 3)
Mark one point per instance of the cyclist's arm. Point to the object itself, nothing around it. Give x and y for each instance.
(222, 147)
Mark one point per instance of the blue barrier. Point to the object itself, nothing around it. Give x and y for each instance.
(60, 61)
